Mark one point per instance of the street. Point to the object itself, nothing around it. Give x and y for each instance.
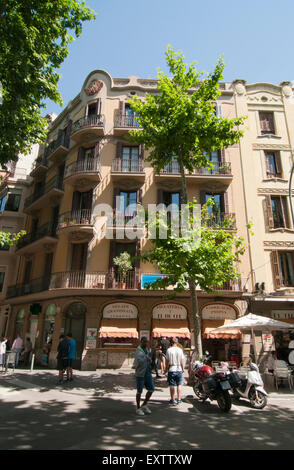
(97, 412)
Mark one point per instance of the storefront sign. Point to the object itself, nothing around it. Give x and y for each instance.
(218, 312)
(283, 314)
(169, 312)
(91, 338)
(120, 310)
(50, 312)
(268, 342)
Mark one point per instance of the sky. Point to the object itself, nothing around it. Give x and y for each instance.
(129, 37)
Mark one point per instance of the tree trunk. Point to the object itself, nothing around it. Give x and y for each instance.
(192, 286)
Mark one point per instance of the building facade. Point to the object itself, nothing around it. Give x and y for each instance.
(266, 154)
(67, 278)
(14, 188)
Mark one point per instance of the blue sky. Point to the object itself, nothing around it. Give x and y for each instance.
(129, 37)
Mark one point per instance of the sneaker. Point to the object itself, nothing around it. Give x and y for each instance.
(172, 402)
(179, 402)
(146, 410)
(140, 412)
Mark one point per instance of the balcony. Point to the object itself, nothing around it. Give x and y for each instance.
(57, 150)
(128, 167)
(107, 280)
(49, 194)
(35, 241)
(83, 174)
(77, 224)
(40, 167)
(124, 123)
(224, 220)
(88, 127)
(221, 171)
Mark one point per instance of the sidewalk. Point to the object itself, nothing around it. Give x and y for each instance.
(102, 382)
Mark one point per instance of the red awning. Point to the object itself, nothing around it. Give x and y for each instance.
(170, 328)
(118, 328)
(208, 325)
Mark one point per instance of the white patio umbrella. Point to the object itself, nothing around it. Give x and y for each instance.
(254, 323)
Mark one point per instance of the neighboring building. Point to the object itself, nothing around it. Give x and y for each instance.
(67, 280)
(266, 153)
(14, 188)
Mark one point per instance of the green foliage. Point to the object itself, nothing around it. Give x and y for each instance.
(10, 239)
(181, 120)
(208, 255)
(35, 35)
(123, 263)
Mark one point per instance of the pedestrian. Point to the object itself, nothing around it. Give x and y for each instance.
(143, 376)
(2, 352)
(27, 351)
(154, 361)
(17, 347)
(164, 345)
(62, 354)
(71, 355)
(175, 366)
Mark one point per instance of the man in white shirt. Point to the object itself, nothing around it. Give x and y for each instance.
(175, 366)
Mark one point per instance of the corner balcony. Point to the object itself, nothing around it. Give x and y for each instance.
(87, 128)
(123, 123)
(57, 150)
(84, 174)
(35, 241)
(49, 194)
(77, 225)
(130, 168)
(32, 287)
(40, 167)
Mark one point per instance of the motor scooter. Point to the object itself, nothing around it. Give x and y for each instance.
(250, 387)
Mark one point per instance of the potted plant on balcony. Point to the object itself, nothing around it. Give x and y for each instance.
(124, 266)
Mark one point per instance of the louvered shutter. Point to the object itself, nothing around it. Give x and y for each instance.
(68, 132)
(226, 203)
(222, 155)
(276, 269)
(266, 164)
(270, 217)
(278, 163)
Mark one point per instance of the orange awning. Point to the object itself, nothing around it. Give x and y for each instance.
(208, 325)
(170, 328)
(118, 328)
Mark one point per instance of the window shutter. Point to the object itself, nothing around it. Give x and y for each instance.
(270, 217)
(202, 197)
(116, 192)
(266, 164)
(278, 163)
(81, 154)
(226, 203)
(68, 132)
(160, 196)
(119, 147)
(139, 196)
(76, 201)
(122, 108)
(222, 155)
(98, 106)
(97, 149)
(276, 269)
(141, 152)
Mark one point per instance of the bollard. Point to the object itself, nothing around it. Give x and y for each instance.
(32, 362)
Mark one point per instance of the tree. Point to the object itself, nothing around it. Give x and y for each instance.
(35, 35)
(181, 122)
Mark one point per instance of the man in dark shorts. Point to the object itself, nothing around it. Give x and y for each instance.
(143, 377)
(62, 354)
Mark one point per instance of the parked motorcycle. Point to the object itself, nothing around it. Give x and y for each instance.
(212, 386)
(250, 387)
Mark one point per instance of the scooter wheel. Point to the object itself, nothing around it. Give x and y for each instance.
(257, 399)
(224, 401)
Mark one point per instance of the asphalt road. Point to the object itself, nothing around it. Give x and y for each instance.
(97, 412)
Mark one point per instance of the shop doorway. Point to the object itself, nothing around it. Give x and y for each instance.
(75, 324)
(222, 349)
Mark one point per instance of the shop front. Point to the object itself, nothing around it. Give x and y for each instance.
(118, 335)
(171, 320)
(49, 322)
(221, 346)
(283, 340)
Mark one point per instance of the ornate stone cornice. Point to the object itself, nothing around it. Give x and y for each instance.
(266, 146)
(268, 191)
(279, 244)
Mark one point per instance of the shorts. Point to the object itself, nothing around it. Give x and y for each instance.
(175, 378)
(62, 364)
(69, 362)
(147, 380)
